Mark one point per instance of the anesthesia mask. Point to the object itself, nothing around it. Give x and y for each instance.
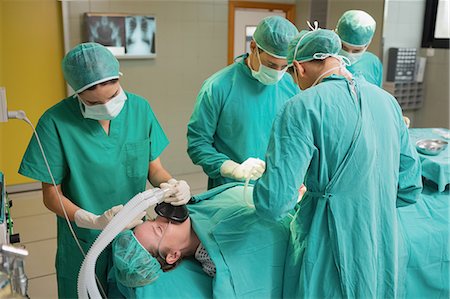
(175, 213)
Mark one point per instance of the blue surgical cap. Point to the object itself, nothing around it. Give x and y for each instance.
(89, 64)
(273, 35)
(311, 45)
(356, 28)
(134, 266)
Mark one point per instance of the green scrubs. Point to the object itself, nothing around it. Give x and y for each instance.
(232, 118)
(369, 67)
(96, 171)
(352, 152)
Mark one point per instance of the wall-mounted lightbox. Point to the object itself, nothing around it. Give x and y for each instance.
(126, 36)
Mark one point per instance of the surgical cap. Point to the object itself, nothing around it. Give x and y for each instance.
(356, 28)
(89, 64)
(311, 45)
(273, 35)
(134, 266)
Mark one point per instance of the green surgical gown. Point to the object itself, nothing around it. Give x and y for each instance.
(232, 118)
(354, 156)
(96, 171)
(369, 67)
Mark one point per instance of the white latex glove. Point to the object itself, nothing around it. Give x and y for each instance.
(407, 121)
(179, 192)
(86, 219)
(301, 192)
(252, 167)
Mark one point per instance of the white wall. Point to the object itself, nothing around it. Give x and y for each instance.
(302, 8)
(403, 27)
(436, 107)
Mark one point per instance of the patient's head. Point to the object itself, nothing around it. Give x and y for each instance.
(133, 265)
(155, 245)
(166, 240)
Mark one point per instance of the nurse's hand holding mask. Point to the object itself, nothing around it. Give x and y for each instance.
(86, 219)
(178, 192)
(252, 167)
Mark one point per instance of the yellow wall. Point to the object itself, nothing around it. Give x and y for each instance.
(2, 143)
(31, 43)
(1, 51)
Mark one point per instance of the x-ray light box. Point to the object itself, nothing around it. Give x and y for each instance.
(127, 36)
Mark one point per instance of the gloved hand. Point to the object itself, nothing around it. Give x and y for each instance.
(252, 167)
(407, 121)
(86, 219)
(301, 192)
(179, 192)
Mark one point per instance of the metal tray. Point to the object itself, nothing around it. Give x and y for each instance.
(431, 147)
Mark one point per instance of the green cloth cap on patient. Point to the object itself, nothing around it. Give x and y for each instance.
(134, 266)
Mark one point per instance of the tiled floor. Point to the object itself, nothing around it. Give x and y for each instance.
(37, 228)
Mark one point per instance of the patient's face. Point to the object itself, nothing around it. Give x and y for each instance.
(163, 234)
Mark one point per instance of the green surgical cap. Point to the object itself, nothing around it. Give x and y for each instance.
(89, 64)
(356, 28)
(273, 35)
(311, 45)
(134, 266)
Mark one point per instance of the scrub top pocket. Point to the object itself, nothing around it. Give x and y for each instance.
(137, 158)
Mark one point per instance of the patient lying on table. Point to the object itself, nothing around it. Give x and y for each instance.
(169, 241)
(243, 254)
(162, 239)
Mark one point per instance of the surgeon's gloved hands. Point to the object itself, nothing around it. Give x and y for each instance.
(301, 192)
(407, 121)
(252, 167)
(86, 219)
(179, 192)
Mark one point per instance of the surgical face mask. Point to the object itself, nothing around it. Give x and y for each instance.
(353, 57)
(105, 111)
(266, 75)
